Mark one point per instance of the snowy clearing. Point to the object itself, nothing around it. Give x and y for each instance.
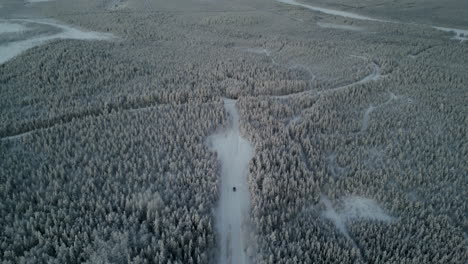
(234, 153)
(337, 26)
(361, 208)
(460, 34)
(13, 49)
(6, 27)
(354, 208)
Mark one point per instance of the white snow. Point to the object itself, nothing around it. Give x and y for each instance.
(17, 136)
(354, 208)
(234, 153)
(365, 120)
(13, 49)
(37, 1)
(336, 218)
(6, 27)
(257, 51)
(337, 26)
(460, 34)
(265, 52)
(330, 11)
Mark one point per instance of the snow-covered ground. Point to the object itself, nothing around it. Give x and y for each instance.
(337, 26)
(6, 27)
(365, 119)
(14, 48)
(460, 34)
(37, 1)
(234, 153)
(330, 11)
(354, 208)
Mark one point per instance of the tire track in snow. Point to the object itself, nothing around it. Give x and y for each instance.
(234, 153)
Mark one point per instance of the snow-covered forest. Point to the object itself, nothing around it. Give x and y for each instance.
(216, 131)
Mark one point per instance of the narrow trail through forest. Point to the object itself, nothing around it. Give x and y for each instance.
(373, 76)
(234, 153)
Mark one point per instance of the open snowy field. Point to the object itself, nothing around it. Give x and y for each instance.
(245, 131)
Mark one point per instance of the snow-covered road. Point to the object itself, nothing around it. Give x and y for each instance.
(234, 153)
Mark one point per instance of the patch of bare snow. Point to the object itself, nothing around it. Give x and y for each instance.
(354, 208)
(365, 120)
(13, 49)
(460, 34)
(234, 153)
(335, 217)
(330, 11)
(360, 208)
(338, 26)
(6, 27)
